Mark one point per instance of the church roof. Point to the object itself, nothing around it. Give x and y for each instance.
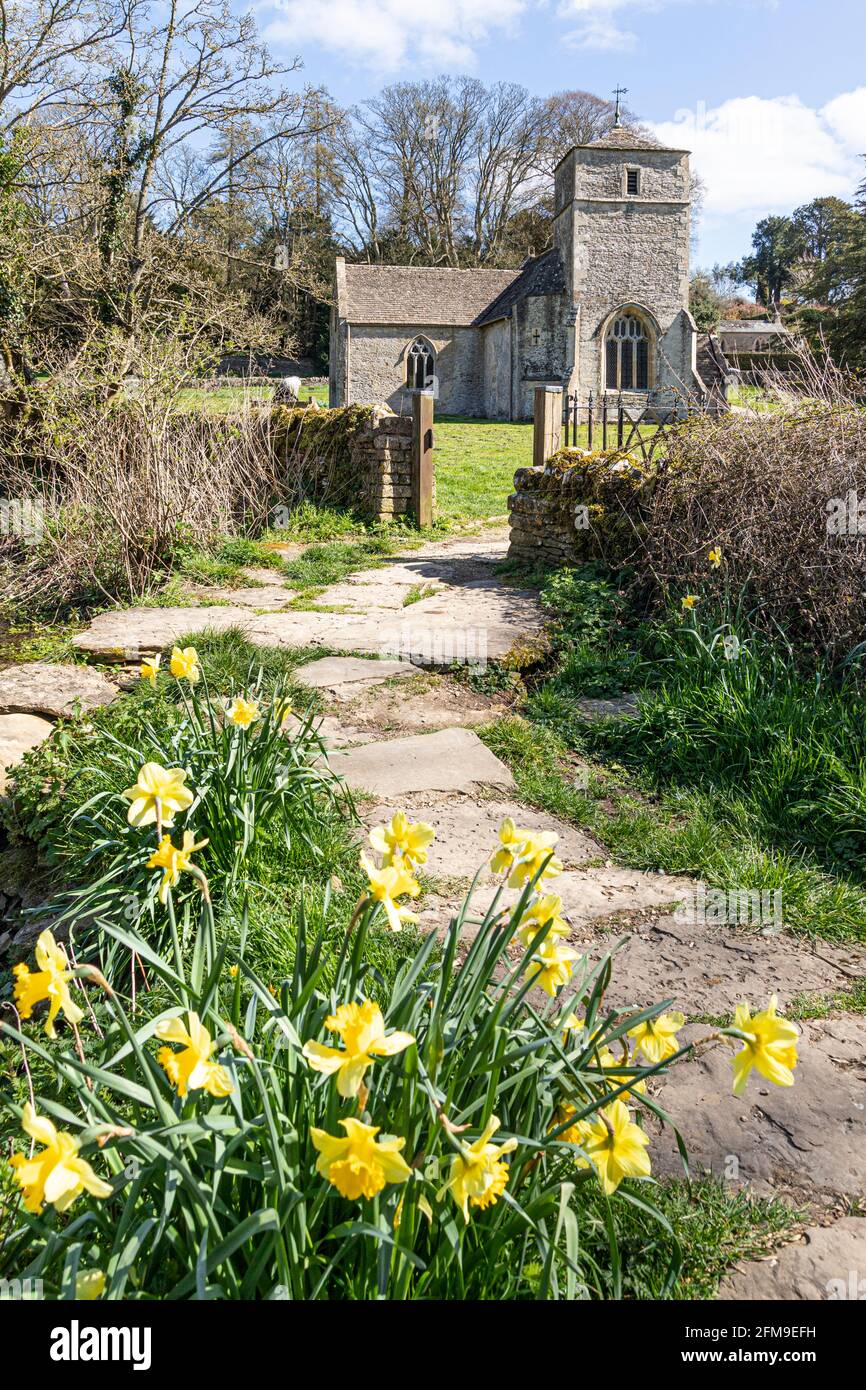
(422, 295)
(625, 137)
(542, 275)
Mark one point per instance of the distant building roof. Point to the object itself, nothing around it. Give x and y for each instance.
(421, 295)
(752, 326)
(542, 275)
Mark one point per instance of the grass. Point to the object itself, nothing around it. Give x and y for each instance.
(223, 400)
(327, 563)
(475, 462)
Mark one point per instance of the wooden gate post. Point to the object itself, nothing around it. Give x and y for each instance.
(422, 457)
(547, 418)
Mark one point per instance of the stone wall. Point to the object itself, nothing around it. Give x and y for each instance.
(580, 507)
(369, 364)
(360, 456)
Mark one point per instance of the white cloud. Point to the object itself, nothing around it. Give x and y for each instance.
(766, 155)
(396, 36)
(595, 24)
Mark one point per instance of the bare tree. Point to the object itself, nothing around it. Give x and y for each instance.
(44, 47)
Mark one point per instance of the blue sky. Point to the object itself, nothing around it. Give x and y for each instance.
(770, 95)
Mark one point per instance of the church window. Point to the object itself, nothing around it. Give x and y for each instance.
(632, 181)
(420, 365)
(627, 355)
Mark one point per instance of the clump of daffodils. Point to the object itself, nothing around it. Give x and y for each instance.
(525, 854)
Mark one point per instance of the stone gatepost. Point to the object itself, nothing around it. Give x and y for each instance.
(547, 431)
(422, 457)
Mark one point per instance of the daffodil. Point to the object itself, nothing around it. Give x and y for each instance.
(55, 1173)
(185, 664)
(388, 884)
(89, 1285)
(688, 601)
(511, 842)
(478, 1174)
(359, 1165)
(191, 1069)
(551, 965)
(656, 1038)
(233, 971)
(402, 841)
(174, 861)
(50, 981)
(615, 1072)
(616, 1147)
(715, 557)
(577, 1133)
(158, 795)
(149, 669)
(242, 712)
(546, 910)
(362, 1030)
(536, 860)
(770, 1046)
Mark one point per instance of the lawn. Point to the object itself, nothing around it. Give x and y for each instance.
(221, 400)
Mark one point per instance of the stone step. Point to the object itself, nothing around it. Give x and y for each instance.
(345, 677)
(453, 760)
(53, 690)
(18, 734)
(828, 1262)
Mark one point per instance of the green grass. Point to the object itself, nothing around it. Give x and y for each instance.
(324, 564)
(222, 400)
(475, 462)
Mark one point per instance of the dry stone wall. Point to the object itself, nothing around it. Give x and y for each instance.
(579, 507)
(358, 456)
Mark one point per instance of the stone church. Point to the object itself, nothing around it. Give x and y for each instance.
(606, 310)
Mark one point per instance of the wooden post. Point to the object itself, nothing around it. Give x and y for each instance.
(422, 457)
(547, 420)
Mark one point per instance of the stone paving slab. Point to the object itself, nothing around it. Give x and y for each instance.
(391, 711)
(18, 734)
(126, 634)
(53, 690)
(345, 677)
(808, 1139)
(828, 1263)
(708, 969)
(453, 760)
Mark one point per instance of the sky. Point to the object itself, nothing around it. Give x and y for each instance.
(769, 95)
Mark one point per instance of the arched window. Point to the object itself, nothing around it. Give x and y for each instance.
(420, 365)
(627, 355)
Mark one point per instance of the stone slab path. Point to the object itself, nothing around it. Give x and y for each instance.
(399, 728)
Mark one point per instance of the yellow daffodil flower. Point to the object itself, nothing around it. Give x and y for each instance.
(715, 557)
(242, 712)
(546, 910)
(402, 841)
(55, 1173)
(689, 601)
(616, 1147)
(771, 1047)
(656, 1038)
(159, 794)
(185, 664)
(89, 1285)
(615, 1073)
(149, 669)
(50, 981)
(359, 1165)
(173, 861)
(362, 1029)
(511, 842)
(233, 970)
(478, 1174)
(550, 966)
(576, 1133)
(536, 858)
(388, 884)
(191, 1069)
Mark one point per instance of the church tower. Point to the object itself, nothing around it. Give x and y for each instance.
(622, 215)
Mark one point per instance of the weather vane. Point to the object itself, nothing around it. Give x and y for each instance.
(618, 92)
